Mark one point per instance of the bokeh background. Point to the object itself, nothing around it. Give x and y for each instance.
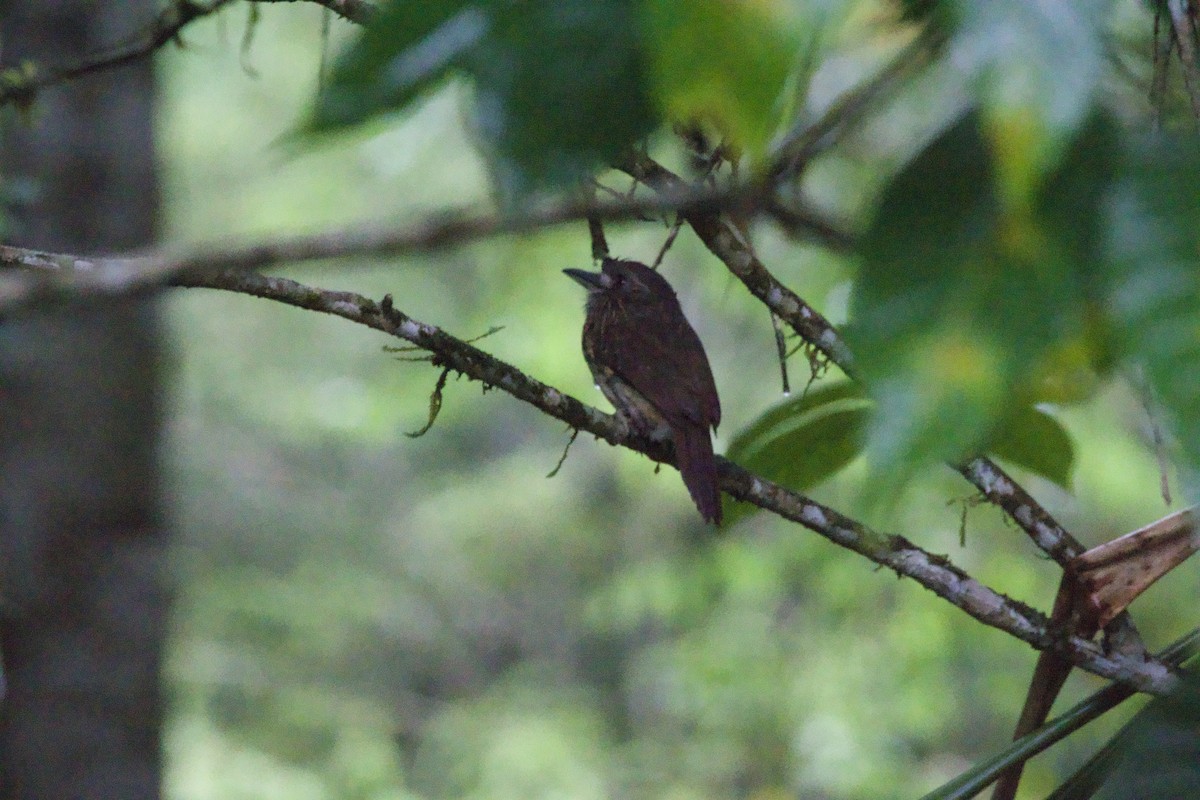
(361, 614)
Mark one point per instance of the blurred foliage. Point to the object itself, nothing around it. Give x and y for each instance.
(960, 293)
(738, 87)
(544, 115)
(1155, 286)
(1157, 755)
(363, 615)
(1035, 73)
(547, 117)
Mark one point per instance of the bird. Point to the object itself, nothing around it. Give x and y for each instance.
(651, 365)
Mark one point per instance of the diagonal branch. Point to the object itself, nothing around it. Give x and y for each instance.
(723, 239)
(53, 276)
(1012, 498)
(894, 552)
(726, 242)
(934, 572)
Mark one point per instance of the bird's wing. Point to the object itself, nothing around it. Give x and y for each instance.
(671, 371)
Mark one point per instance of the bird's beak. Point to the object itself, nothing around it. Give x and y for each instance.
(592, 281)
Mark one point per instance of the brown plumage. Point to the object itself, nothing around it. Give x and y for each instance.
(650, 364)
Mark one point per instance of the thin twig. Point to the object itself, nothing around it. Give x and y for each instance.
(781, 352)
(673, 232)
(1145, 393)
(805, 223)
(563, 458)
(435, 406)
(599, 241)
(323, 61)
(252, 20)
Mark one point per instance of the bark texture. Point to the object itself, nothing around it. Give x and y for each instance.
(82, 598)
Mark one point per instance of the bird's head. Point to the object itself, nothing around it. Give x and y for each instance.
(626, 280)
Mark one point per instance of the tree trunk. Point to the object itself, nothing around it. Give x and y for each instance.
(82, 597)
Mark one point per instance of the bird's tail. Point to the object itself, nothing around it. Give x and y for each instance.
(693, 450)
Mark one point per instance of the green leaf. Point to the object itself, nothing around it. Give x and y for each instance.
(723, 62)
(1083, 784)
(962, 298)
(406, 49)
(559, 87)
(1158, 756)
(1034, 440)
(920, 308)
(801, 441)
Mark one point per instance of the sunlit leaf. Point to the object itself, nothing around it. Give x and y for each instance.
(1068, 372)
(961, 296)
(722, 62)
(802, 441)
